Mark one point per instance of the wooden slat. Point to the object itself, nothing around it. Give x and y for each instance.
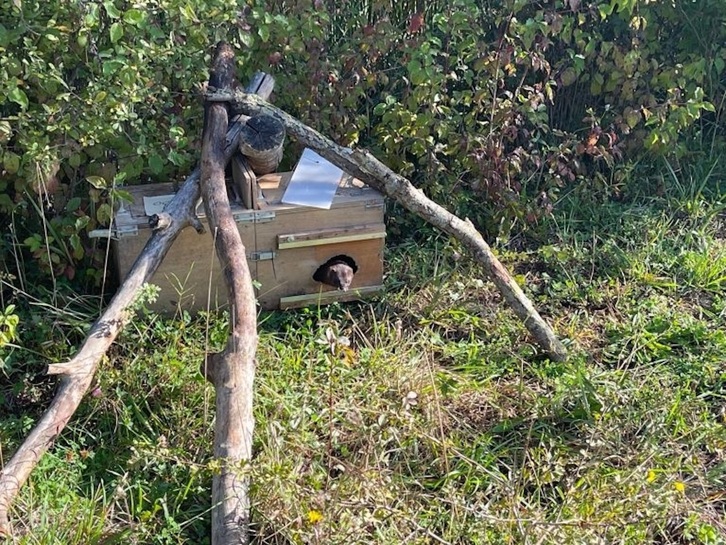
(245, 181)
(326, 297)
(320, 237)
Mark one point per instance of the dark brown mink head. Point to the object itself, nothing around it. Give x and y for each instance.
(337, 271)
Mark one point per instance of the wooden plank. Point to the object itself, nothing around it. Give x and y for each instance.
(351, 193)
(328, 236)
(190, 276)
(327, 297)
(245, 181)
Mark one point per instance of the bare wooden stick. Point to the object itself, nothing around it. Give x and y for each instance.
(363, 165)
(233, 370)
(77, 374)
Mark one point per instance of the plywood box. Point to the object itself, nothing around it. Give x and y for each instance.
(285, 245)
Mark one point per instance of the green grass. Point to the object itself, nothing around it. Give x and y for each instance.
(427, 416)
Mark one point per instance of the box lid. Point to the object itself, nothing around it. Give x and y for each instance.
(351, 192)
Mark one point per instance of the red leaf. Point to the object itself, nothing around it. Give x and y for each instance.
(416, 22)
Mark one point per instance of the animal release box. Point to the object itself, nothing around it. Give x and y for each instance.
(285, 243)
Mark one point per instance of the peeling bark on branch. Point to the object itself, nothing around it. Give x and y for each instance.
(77, 374)
(232, 371)
(366, 167)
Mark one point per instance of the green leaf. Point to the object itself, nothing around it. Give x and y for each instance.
(417, 73)
(156, 164)
(82, 223)
(117, 32)
(33, 243)
(134, 17)
(75, 160)
(91, 18)
(97, 181)
(18, 96)
(651, 140)
(6, 131)
(4, 36)
(246, 38)
(75, 241)
(605, 10)
(11, 162)
(632, 117)
(73, 204)
(104, 214)
(123, 195)
(187, 12)
(380, 108)
(111, 10)
(112, 66)
(264, 33)
(6, 203)
(568, 77)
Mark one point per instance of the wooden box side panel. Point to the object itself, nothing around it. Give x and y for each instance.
(190, 276)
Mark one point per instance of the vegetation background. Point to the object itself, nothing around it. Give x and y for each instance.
(585, 139)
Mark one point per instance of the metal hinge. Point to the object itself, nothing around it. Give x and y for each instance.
(253, 217)
(261, 256)
(116, 232)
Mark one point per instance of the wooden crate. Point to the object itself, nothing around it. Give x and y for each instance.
(285, 245)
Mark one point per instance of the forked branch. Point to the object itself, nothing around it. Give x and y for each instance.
(232, 371)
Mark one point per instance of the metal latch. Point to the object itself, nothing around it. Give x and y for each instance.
(115, 232)
(261, 256)
(248, 216)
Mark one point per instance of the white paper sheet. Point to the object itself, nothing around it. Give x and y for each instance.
(155, 205)
(313, 182)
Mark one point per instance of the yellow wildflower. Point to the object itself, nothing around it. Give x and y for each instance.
(314, 516)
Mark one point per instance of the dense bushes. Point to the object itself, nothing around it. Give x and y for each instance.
(490, 107)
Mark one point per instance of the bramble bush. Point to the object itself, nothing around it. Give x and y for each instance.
(491, 108)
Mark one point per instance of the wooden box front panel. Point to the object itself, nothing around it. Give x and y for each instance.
(303, 238)
(287, 280)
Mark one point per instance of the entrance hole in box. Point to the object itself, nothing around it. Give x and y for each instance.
(327, 274)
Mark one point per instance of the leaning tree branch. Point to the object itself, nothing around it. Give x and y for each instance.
(233, 370)
(77, 374)
(363, 165)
